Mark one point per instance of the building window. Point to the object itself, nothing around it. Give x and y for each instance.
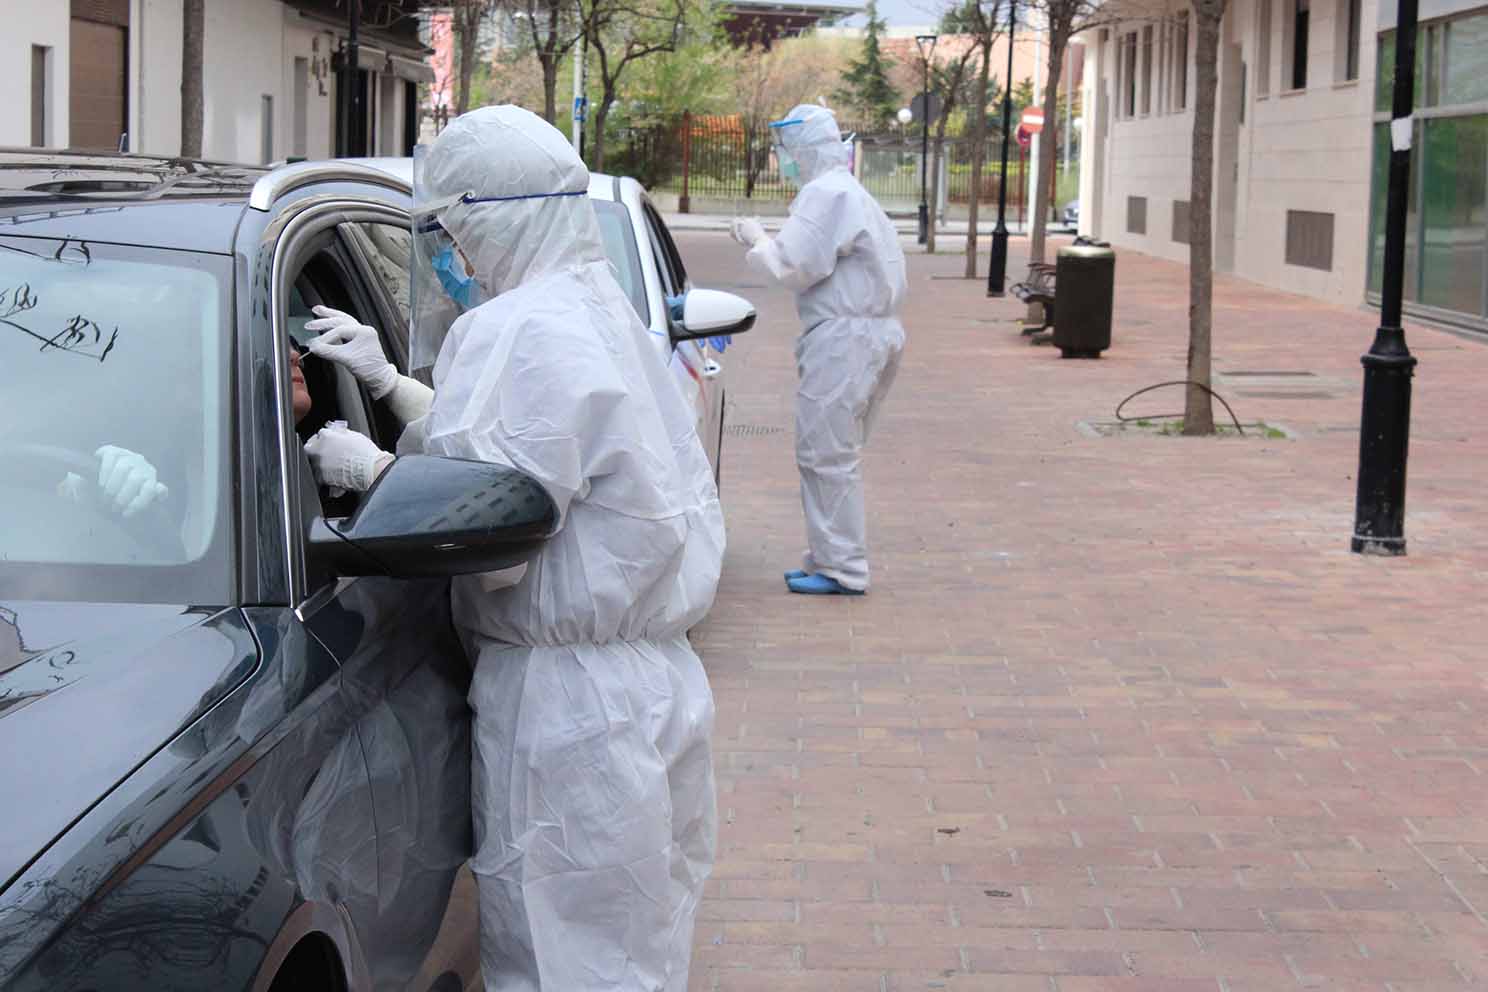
(1147, 70)
(1446, 224)
(1454, 205)
(1297, 45)
(1351, 15)
(1180, 221)
(266, 128)
(1180, 63)
(40, 94)
(1263, 47)
(1129, 75)
(1466, 70)
(299, 136)
(1136, 215)
(1309, 239)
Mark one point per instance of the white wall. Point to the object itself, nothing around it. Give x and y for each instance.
(307, 41)
(250, 52)
(243, 62)
(155, 97)
(1305, 150)
(33, 23)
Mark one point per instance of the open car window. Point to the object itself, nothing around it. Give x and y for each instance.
(330, 279)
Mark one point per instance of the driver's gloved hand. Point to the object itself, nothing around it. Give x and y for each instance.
(344, 460)
(126, 479)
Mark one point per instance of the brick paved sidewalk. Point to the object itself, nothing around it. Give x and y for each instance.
(1119, 713)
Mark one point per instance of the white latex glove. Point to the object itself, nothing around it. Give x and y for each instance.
(127, 480)
(347, 341)
(343, 459)
(747, 231)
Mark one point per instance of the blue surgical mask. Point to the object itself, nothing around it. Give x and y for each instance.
(790, 169)
(450, 268)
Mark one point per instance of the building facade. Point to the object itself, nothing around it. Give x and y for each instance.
(106, 74)
(1301, 150)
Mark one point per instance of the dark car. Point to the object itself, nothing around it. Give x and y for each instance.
(235, 740)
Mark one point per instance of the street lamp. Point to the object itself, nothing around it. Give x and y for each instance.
(350, 127)
(997, 265)
(926, 45)
(1384, 426)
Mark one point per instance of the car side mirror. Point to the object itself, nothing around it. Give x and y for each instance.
(707, 313)
(437, 517)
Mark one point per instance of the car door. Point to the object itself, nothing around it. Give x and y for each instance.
(696, 373)
(402, 668)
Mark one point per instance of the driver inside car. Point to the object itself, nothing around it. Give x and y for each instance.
(340, 458)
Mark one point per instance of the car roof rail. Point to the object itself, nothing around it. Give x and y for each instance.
(299, 174)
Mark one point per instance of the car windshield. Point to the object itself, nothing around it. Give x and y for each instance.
(620, 244)
(114, 396)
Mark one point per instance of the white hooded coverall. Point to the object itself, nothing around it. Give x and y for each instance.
(593, 778)
(840, 254)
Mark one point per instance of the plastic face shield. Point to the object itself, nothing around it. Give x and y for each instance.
(435, 261)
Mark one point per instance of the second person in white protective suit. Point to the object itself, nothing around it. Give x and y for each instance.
(593, 776)
(840, 254)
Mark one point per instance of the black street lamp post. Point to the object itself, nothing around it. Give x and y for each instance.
(1384, 427)
(997, 266)
(926, 45)
(349, 92)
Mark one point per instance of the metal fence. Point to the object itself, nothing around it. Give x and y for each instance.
(718, 158)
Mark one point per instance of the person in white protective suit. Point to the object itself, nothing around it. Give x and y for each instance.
(840, 254)
(593, 777)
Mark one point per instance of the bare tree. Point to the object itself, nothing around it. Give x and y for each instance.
(621, 32)
(555, 27)
(1065, 19)
(193, 39)
(1198, 408)
(467, 19)
(948, 81)
(770, 79)
(981, 20)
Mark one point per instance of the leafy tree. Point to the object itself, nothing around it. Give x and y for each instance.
(1063, 19)
(554, 29)
(865, 85)
(621, 33)
(982, 20)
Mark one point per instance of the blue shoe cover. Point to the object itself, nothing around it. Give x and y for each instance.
(796, 573)
(820, 585)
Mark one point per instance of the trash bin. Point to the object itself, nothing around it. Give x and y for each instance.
(1085, 287)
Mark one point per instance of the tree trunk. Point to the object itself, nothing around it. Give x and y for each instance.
(193, 37)
(1058, 41)
(978, 146)
(550, 85)
(469, 36)
(600, 114)
(1198, 409)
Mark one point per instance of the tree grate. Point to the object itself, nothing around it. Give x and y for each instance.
(752, 430)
